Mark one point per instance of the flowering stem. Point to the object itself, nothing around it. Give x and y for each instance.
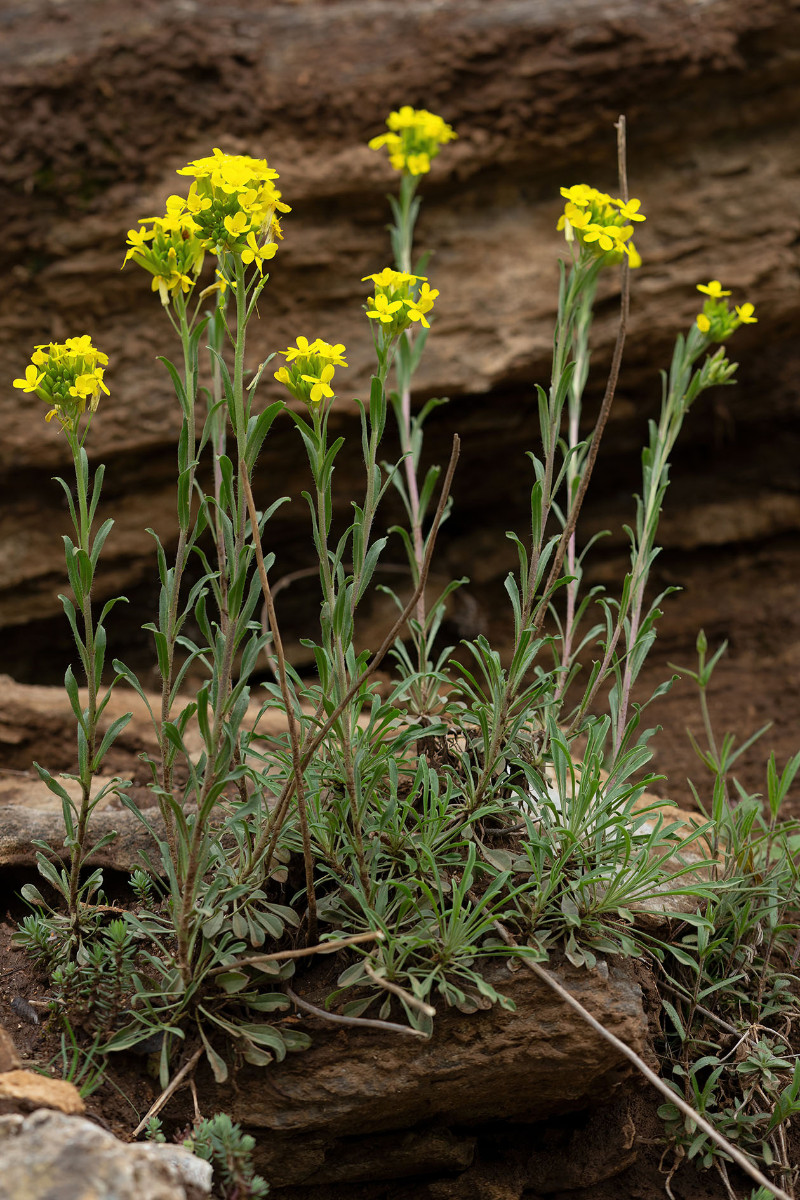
(680, 391)
(334, 631)
(217, 327)
(289, 703)
(186, 463)
(267, 841)
(402, 235)
(89, 730)
(377, 422)
(580, 357)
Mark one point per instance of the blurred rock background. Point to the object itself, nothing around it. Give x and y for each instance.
(101, 102)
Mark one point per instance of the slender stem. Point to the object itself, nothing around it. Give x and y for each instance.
(289, 704)
(169, 1090)
(355, 1022)
(334, 635)
(223, 670)
(90, 730)
(254, 960)
(181, 556)
(591, 458)
(266, 842)
(532, 618)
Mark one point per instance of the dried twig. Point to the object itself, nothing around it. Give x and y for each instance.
(305, 952)
(412, 1001)
(740, 1159)
(172, 1086)
(357, 1022)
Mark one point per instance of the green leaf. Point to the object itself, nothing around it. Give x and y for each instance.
(232, 981)
(114, 730)
(99, 541)
(177, 382)
(54, 786)
(370, 562)
(257, 430)
(31, 893)
(216, 1062)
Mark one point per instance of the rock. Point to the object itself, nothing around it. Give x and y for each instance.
(9, 1056)
(169, 85)
(49, 1156)
(338, 1102)
(20, 827)
(37, 722)
(23, 1091)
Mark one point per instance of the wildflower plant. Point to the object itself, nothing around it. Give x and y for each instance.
(427, 828)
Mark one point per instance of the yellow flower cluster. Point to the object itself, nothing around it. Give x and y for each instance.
(600, 223)
(67, 376)
(398, 301)
(233, 203)
(310, 372)
(170, 249)
(717, 321)
(414, 139)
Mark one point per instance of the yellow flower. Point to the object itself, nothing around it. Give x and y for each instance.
(170, 250)
(718, 321)
(579, 193)
(333, 354)
(395, 303)
(574, 217)
(414, 139)
(258, 254)
(237, 224)
(630, 210)
(303, 348)
(382, 310)
(423, 304)
(67, 376)
(313, 364)
(600, 223)
(713, 289)
(33, 377)
(320, 384)
(606, 236)
(232, 196)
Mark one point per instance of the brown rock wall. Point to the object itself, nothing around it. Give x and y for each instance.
(100, 102)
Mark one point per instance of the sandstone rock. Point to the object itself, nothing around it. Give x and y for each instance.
(23, 1091)
(37, 723)
(21, 826)
(9, 1056)
(533, 91)
(335, 1102)
(49, 1156)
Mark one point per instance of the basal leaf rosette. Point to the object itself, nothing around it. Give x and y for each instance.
(414, 138)
(235, 205)
(170, 248)
(67, 376)
(600, 224)
(309, 369)
(400, 299)
(718, 321)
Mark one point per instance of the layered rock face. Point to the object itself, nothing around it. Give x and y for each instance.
(102, 102)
